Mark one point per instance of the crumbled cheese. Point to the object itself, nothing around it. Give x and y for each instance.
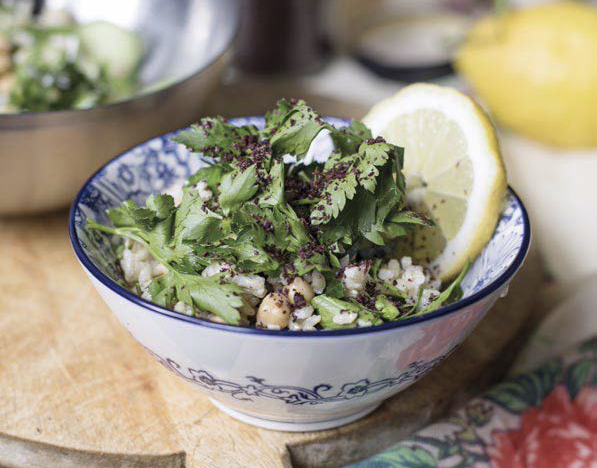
(310, 322)
(427, 297)
(217, 267)
(175, 192)
(138, 265)
(406, 262)
(390, 271)
(145, 275)
(159, 269)
(304, 312)
(205, 192)
(251, 284)
(317, 281)
(128, 265)
(183, 308)
(307, 324)
(344, 317)
(355, 277)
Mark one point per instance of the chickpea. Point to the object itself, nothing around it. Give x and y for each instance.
(273, 310)
(302, 288)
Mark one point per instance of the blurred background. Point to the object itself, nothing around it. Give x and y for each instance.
(80, 81)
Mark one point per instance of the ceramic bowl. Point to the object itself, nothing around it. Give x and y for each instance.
(285, 380)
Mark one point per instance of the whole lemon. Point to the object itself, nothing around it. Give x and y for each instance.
(536, 69)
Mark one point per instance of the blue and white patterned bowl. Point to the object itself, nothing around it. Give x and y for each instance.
(285, 380)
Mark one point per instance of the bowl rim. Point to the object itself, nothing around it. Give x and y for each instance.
(88, 264)
(75, 113)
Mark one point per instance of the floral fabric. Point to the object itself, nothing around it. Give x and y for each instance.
(546, 418)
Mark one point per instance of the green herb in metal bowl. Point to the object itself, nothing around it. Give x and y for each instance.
(63, 64)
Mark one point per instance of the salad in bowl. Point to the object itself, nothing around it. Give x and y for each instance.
(253, 256)
(269, 234)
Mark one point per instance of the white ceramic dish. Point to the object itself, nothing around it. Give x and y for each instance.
(283, 380)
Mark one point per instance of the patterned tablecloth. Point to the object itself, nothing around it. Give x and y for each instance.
(545, 417)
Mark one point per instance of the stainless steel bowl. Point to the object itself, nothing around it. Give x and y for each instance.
(45, 156)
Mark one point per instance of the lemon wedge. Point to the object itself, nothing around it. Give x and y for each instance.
(453, 168)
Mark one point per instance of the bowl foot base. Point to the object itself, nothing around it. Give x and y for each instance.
(294, 427)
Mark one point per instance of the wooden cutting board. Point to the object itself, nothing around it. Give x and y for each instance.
(71, 376)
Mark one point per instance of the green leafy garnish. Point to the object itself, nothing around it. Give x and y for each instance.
(386, 308)
(237, 187)
(213, 136)
(68, 65)
(328, 307)
(154, 227)
(270, 217)
(295, 131)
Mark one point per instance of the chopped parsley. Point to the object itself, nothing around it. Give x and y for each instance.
(271, 217)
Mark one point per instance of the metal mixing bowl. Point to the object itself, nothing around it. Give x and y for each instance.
(45, 156)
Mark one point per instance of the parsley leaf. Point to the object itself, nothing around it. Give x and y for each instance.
(386, 308)
(373, 169)
(211, 174)
(276, 116)
(222, 299)
(130, 214)
(370, 157)
(348, 139)
(237, 187)
(154, 227)
(296, 130)
(163, 290)
(213, 135)
(161, 205)
(333, 199)
(334, 286)
(274, 192)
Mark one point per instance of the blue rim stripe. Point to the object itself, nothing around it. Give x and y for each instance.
(454, 307)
